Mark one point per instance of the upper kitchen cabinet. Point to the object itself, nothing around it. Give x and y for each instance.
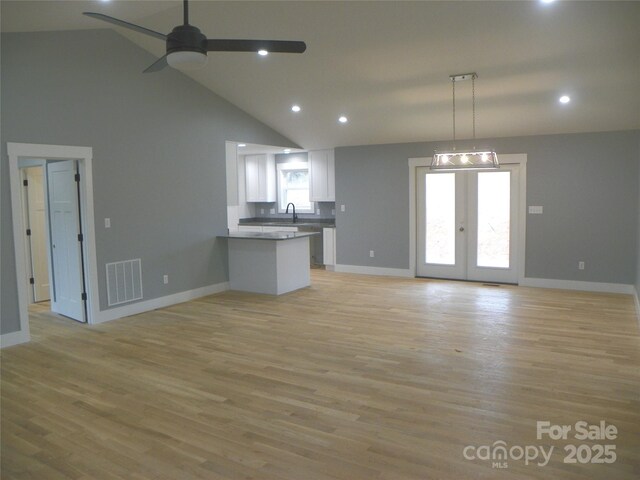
(260, 176)
(322, 176)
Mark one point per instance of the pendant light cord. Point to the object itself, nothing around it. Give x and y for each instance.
(473, 97)
(453, 83)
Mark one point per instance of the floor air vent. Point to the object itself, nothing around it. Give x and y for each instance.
(124, 281)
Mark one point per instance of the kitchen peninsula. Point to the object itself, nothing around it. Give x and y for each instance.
(269, 262)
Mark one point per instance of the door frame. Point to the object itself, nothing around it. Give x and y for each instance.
(23, 152)
(506, 159)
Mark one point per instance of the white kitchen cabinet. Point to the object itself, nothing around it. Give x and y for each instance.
(329, 246)
(322, 176)
(250, 228)
(279, 229)
(260, 178)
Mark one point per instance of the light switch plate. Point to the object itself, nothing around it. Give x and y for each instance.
(272, 211)
(535, 209)
(107, 223)
(342, 208)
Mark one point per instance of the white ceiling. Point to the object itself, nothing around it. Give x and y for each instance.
(386, 64)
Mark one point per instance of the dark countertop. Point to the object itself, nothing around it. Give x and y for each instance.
(282, 222)
(268, 235)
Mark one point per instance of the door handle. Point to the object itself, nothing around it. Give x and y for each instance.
(461, 229)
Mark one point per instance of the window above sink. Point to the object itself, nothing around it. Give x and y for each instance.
(293, 187)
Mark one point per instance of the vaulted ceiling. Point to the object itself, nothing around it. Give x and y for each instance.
(386, 64)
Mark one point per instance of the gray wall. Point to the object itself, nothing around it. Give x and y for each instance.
(159, 153)
(638, 234)
(587, 183)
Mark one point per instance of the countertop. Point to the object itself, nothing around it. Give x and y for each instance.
(268, 235)
(281, 222)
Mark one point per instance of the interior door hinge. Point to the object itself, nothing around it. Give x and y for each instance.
(32, 281)
(28, 232)
(84, 296)
(25, 182)
(77, 177)
(80, 237)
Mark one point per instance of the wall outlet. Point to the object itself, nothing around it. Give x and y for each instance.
(580, 265)
(262, 211)
(272, 211)
(342, 208)
(107, 223)
(317, 211)
(536, 209)
(333, 212)
(372, 253)
(165, 279)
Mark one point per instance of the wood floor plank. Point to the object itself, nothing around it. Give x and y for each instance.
(356, 377)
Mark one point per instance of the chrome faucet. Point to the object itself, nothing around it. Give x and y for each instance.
(295, 216)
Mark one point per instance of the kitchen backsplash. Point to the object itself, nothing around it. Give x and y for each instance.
(327, 211)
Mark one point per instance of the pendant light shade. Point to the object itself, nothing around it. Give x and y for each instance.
(474, 159)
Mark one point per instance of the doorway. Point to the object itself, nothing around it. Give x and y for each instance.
(468, 225)
(69, 230)
(53, 236)
(34, 208)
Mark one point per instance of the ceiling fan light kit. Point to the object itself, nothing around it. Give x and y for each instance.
(187, 47)
(187, 60)
(474, 159)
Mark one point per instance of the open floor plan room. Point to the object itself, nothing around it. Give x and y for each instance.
(356, 377)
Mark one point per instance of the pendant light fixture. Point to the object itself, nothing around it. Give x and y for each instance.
(474, 159)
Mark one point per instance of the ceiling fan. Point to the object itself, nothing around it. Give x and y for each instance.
(187, 47)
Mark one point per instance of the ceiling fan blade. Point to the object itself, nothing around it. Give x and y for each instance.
(157, 65)
(122, 23)
(279, 46)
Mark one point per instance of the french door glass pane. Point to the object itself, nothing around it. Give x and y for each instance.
(440, 221)
(493, 219)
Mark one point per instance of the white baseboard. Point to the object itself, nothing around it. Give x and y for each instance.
(636, 293)
(387, 272)
(14, 338)
(161, 302)
(578, 285)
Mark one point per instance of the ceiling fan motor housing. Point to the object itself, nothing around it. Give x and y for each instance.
(186, 38)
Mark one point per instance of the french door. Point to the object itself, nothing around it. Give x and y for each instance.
(468, 224)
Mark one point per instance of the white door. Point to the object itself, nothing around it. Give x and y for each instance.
(468, 224)
(37, 232)
(66, 252)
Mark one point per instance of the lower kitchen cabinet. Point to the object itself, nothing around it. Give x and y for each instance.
(329, 246)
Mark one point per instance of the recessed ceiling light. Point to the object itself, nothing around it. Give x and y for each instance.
(547, 1)
(564, 99)
(263, 53)
(287, 150)
(343, 119)
(241, 145)
(295, 108)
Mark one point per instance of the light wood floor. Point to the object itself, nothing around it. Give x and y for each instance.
(354, 378)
